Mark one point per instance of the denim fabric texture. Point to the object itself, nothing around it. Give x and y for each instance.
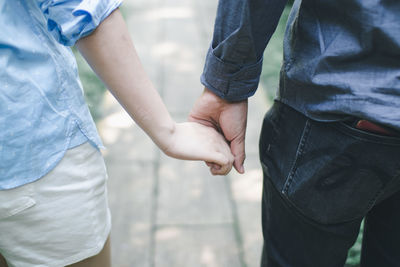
(241, 32)
(320, 180)
(341, 57)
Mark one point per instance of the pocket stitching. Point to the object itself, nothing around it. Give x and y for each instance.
(23, 200)
(366, 136)
(303, 140)
(28, 202)
(293, 170)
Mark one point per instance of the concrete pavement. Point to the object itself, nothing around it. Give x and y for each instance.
(170, 213)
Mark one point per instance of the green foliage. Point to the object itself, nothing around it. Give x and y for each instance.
(353, 257)
(92, 86)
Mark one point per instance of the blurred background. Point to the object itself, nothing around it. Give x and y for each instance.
(170, 213)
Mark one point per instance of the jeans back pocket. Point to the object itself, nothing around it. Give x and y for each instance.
(336, 176)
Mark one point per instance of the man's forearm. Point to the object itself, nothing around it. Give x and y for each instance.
(241, 32)
(110, 52)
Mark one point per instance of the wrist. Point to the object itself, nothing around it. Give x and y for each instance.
(219, 99)
(165, 136)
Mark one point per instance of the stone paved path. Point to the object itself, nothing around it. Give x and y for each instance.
(170, 213)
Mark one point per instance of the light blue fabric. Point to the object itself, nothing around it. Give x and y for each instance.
(42, 108)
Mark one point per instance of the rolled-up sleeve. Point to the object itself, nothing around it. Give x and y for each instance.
(68, 21)
(241, 32)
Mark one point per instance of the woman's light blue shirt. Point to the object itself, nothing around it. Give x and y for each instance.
(42, 107)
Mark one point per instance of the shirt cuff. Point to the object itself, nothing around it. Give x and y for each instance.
(68, 21)
(230, 81)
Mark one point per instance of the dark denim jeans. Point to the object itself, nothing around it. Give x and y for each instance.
(320, 180)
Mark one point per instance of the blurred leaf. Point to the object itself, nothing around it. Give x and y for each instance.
(353, 257)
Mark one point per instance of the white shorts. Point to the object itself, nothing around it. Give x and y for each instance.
(60, 219)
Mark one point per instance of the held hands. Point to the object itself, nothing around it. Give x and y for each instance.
(194, 141)
(200, 139)
(110, 52)
(230, 118)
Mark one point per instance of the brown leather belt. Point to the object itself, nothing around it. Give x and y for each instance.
(375, 128)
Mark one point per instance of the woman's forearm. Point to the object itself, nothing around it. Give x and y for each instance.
(112, 55)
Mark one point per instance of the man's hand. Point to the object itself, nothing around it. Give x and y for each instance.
(229, 118)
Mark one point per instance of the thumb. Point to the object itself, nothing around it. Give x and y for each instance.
(238, 151)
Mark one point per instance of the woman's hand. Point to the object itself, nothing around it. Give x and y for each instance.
(194, 141)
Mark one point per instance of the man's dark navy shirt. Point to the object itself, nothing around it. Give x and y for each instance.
(341, 57)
